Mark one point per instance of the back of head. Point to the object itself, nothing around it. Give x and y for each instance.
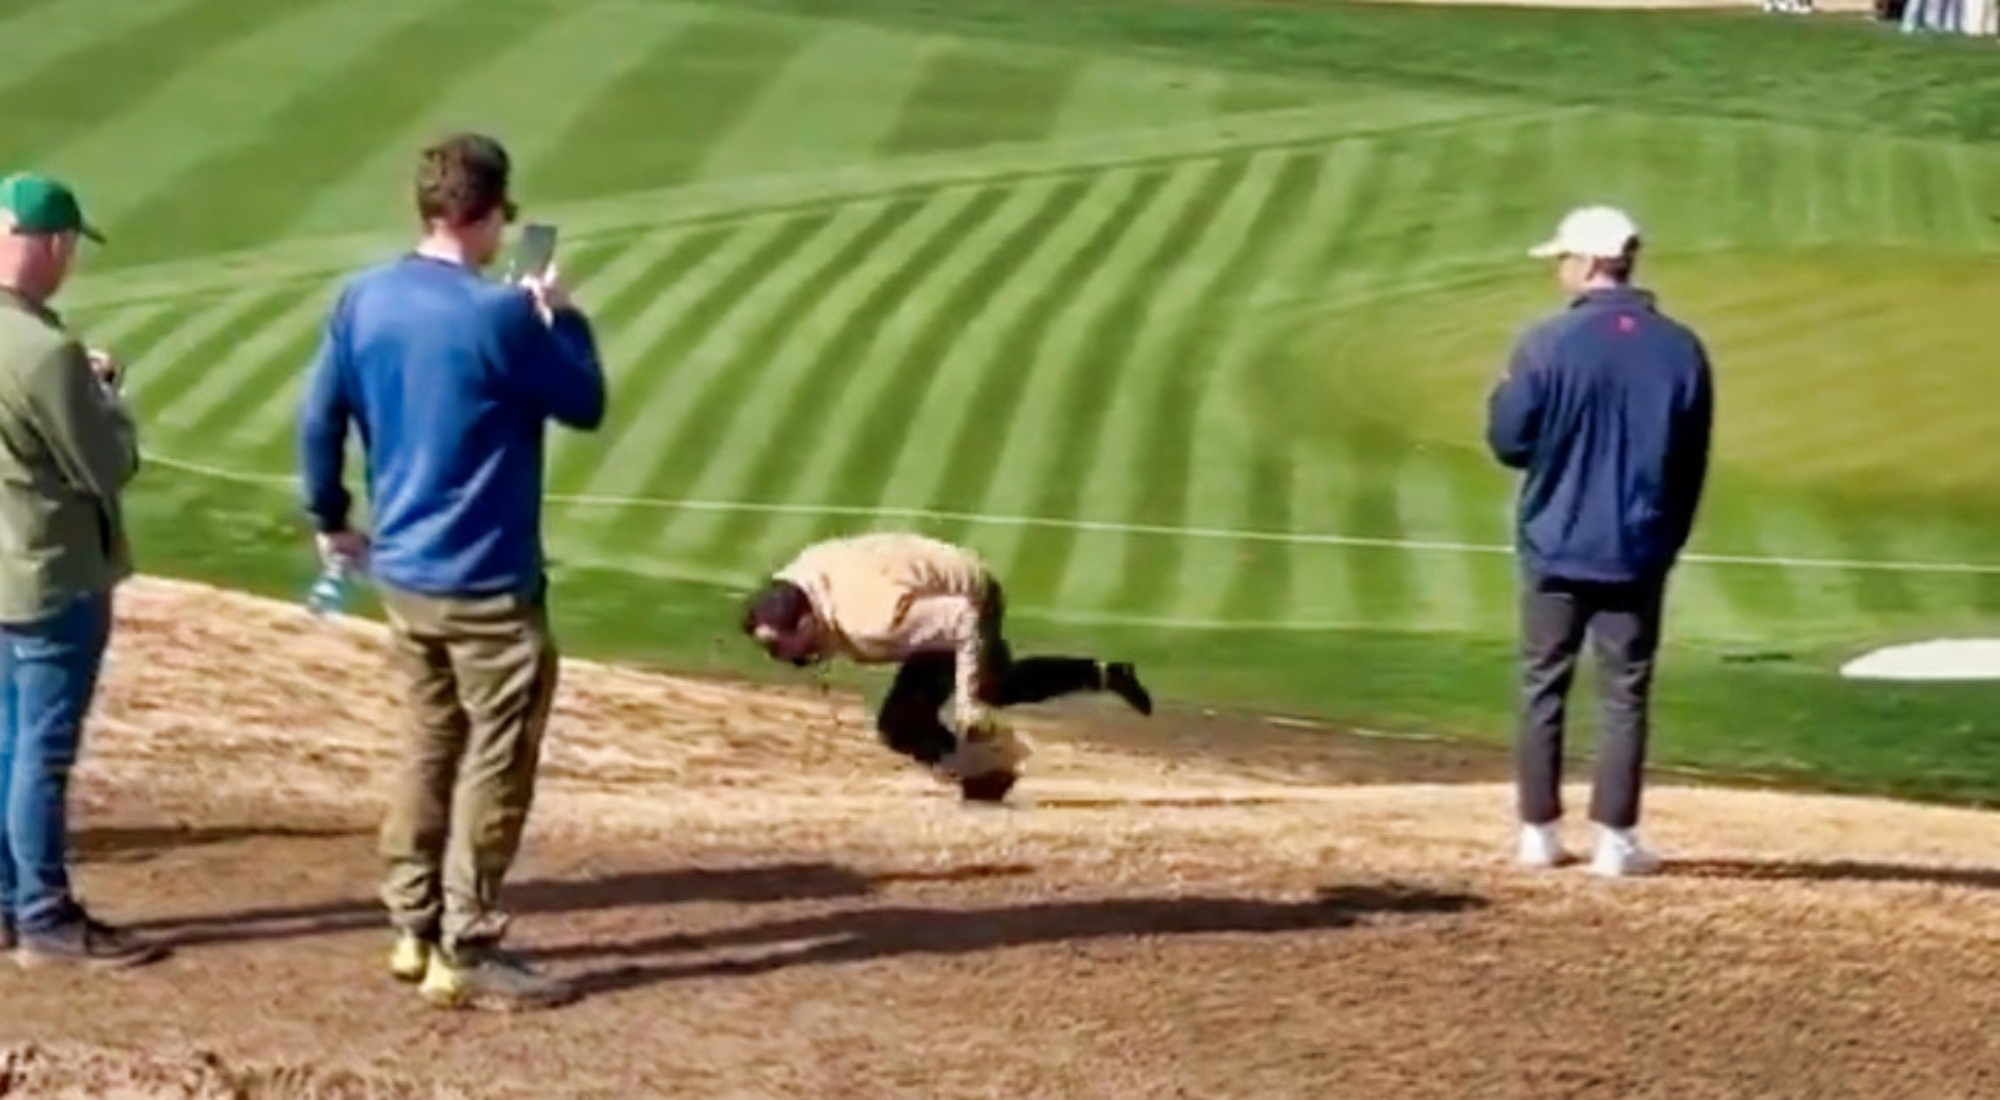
(462, 179)
(462, 193)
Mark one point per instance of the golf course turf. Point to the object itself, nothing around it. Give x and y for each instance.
(1182, 312)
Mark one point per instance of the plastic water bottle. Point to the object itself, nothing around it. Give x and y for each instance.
(328, 595)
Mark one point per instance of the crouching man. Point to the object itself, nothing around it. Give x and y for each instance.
(936, 610)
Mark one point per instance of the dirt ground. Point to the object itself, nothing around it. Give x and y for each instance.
(761, 903)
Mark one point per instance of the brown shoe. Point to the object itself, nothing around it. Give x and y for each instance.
(83, 940)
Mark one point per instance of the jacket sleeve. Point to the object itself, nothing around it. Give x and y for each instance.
(553, 365)
(325, 411)
(1514, 408)
(1693, 435)
(960, 621)
(87, 428)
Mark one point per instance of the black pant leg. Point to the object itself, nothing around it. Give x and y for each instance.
(1035, 679)
(1625, 637)
(908, 721)
(1553, 616)
(1007, 682)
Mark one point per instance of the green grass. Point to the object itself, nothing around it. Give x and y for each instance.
(1182, 311)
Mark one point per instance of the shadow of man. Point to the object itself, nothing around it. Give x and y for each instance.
(1778, 870)
(768, 884)
(860, 935)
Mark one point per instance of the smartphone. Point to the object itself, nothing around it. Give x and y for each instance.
(534, 252)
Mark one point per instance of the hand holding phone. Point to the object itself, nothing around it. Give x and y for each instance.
(534, 253)
(549, 292)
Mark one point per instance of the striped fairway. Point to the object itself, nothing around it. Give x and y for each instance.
(844, 267)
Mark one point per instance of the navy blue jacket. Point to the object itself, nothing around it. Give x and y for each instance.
(449, 380)
(1607, 407)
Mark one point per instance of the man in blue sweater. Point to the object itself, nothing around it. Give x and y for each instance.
(1607, 408)
(450, 380)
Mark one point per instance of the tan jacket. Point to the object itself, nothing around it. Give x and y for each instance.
(68, 448)
(885, 597)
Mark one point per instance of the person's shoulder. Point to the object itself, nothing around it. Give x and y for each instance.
(1542, 331)
(31, 342)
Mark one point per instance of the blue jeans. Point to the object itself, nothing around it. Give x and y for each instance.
(48, 677)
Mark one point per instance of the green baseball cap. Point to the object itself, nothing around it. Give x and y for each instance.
(40, 204)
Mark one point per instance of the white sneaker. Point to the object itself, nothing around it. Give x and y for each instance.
(1619, 854)
(1541, 847)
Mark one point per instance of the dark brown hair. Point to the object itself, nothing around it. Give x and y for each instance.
(779, 605)
(462, 179)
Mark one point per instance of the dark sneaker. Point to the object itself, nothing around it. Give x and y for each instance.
(491, 979)
(84, 941)
(1122, 680)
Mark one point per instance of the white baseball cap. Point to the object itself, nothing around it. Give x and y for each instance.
(1601, 232)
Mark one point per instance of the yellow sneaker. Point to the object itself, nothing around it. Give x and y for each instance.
(488, 978)
(443, 984)
(410, 958)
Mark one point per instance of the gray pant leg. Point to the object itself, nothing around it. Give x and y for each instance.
(1625, 636)
(1553, 616)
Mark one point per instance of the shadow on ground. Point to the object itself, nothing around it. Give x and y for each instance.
(1777, 870)
(138, 843)
(753, 885)
(863, 935)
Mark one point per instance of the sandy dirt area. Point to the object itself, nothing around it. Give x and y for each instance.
(762, 903)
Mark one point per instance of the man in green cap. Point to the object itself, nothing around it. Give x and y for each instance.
(67, 450)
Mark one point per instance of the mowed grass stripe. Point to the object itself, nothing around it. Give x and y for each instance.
(1146, 449)
(319, 136)
(1064, 438)
(639, 297)
(1252, 93)
(502, 87)
(111, 329)
(735, 361)
(232, 100)
(706, 316)
(781, 399)
(1445, 173)
(1111, 94)
(834, 103)
(119, 62)
(923, 401)
(1334, 587)
(972, 94)
(968, 379)
(876, 406)
(260, 376)
(830, 399)
(25, 18)
(1978, 174)
(1252, 582)
(1391, 587)
(184, 355)
(1027, 416)
(1450, 495)
(638, 133)
(987, 452)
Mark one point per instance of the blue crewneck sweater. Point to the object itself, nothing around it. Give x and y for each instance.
(448, 380)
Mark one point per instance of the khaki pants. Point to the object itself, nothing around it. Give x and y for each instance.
(479, 676)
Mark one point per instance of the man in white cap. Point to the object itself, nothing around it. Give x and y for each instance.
(1606, 408)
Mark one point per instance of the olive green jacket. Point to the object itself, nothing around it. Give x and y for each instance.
(68, 448)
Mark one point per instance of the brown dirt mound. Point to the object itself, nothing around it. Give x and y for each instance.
(760, 902)
(68, 1072)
